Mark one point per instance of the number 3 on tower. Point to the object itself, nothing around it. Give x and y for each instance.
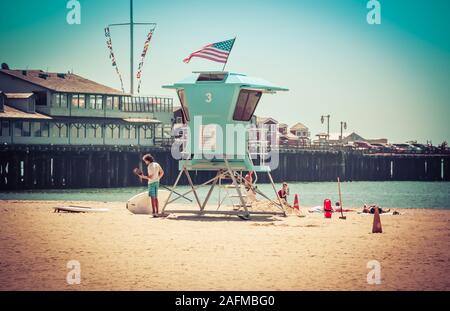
(208, 98)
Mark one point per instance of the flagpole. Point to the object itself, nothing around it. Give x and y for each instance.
(223, 69)
(131, 49)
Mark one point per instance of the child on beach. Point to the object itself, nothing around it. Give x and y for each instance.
(155, 173)
(283, 193)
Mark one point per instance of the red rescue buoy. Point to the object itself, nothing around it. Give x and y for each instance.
(327, 208)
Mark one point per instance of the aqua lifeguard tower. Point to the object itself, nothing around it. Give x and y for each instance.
(218, 108)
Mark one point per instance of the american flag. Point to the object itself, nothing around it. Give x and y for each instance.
(217, 52)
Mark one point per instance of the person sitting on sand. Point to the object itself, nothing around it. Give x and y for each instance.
(155, 173)
(283, 193)
(371, 209)
(248, 184)
(248, 181)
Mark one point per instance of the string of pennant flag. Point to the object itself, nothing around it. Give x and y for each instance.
(141, 63)
(217, 52)
(112, 56)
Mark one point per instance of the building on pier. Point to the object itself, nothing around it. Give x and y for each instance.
(38, 107)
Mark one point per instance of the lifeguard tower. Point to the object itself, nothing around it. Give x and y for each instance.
(218, 108)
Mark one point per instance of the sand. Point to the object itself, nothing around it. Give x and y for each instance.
(121, 251)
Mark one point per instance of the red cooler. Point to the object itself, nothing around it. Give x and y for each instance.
(327, 208)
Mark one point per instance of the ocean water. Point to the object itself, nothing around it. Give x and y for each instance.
(354, 194)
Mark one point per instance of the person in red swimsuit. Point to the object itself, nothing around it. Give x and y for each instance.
(284, 192)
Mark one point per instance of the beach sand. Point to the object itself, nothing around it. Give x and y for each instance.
(121, 251)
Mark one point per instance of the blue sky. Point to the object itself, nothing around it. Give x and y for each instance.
(390, 80)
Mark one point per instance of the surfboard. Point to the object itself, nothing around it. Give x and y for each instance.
(140, 203)
(79, 209)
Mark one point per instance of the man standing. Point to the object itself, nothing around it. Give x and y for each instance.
(155, 173)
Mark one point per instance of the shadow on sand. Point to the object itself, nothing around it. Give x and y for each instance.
(255, 218)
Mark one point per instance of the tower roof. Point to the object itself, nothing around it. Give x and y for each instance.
(202, 77)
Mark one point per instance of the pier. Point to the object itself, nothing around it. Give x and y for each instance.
(25, 167)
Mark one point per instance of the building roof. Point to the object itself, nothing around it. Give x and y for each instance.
(346, 136)
(282, 125)
(18, 95)
(13, 113)
(67, 82)
(298, 126)
(260, 120)
(291, 136)
(335, 136)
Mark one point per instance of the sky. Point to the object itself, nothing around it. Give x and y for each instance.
(386, 81)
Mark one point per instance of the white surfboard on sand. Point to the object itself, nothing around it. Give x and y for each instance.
(140, 203)
(79, 209)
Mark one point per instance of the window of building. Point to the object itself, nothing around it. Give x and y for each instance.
(108, 132)
(246, 105)
(75, 101)
(64, 130)
(81, 101)
(179, 120)
(91, 99)
(59, 130)
(56, 100)
(59, 100)
(184, 104)
(116, 102)
(45, 129)
(214, 77)
(41, 98)
(158, 131)
(167, 131)
(99, 102)
(146, 132)
(63, 100)
(77, 130)
(26, 129)
(128, 131)
(78, 101)
(94, 131)
(109, 102)
(22, 129)
(36, 129)
(18, 128)
(133, 132)
(112, 131)
(4, 128)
